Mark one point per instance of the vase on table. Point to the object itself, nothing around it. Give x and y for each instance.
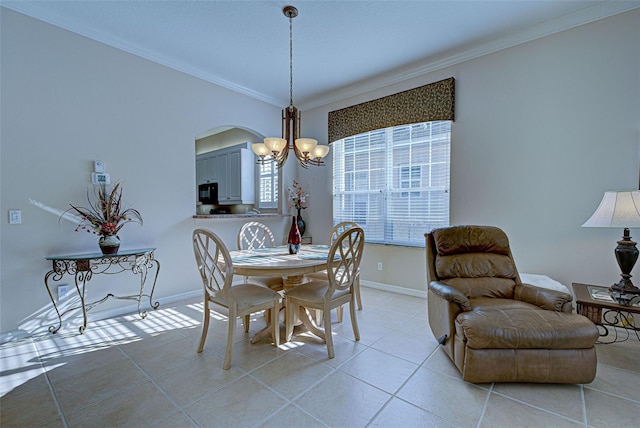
(301, 224)
(109, 244)
(294, 239)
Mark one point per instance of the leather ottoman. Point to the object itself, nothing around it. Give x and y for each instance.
(524, 344)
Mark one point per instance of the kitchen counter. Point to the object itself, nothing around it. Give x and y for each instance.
(242, 216)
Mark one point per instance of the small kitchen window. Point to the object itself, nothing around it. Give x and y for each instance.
(267, 185)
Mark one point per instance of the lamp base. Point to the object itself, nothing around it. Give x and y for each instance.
(626, 254)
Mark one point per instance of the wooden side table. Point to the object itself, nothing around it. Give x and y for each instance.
(594, 302)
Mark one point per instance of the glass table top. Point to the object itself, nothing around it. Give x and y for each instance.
(99, 255)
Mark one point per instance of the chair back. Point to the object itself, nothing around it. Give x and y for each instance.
(254, 235)
(210, 251)
(476, 260)
(339, 228)
(344, 260)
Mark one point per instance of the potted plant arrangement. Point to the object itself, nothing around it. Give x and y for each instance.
(105, 216)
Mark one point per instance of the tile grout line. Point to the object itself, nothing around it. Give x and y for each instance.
(484, 407)
(107, 340)
(61, 412)
(549, 412)
(293, 399)
(393, 395)
(620, 397)
(166, 395)
(113, 343)
(584, 406)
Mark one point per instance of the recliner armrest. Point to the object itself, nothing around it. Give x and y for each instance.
(545, 298)
(450, 294)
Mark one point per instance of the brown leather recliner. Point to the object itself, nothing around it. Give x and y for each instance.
(492, 326)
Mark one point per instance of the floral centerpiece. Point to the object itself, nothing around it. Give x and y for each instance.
(105, 216)
(297, 200)
(297, 196)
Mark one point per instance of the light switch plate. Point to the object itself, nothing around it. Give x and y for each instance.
(15, 216)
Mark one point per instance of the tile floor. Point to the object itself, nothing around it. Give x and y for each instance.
(141, 373)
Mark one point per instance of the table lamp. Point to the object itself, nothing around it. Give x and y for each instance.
(621, 209)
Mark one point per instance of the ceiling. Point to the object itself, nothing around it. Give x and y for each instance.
(340, 48)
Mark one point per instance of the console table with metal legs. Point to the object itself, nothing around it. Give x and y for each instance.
(83, 266)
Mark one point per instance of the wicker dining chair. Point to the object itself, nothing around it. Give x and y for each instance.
(240, 300)
(343, 263)
(255, 235)
(335, 232)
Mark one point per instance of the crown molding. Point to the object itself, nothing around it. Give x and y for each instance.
(547, 28)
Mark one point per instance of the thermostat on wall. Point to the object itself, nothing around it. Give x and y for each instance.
(98, 166)
(100, 178)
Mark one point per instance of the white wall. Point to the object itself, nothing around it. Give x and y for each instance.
(541, 131)
(67, 100)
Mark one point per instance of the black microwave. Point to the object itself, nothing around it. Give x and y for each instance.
(208, 193)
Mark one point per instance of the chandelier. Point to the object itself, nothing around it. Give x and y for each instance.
(273, 149)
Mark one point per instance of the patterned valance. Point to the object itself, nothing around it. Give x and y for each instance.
(424, 104)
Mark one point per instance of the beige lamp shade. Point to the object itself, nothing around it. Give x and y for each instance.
(319, 152)
(275, 144)
(260, 149)
(306, 145)
(617, 209)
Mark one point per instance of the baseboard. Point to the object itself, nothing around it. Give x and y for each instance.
(92, 316)
(13, 336)
(393, 289)
(128, 309)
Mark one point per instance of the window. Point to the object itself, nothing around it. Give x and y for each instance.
(267, 185)
(394, 182)
(410, 177)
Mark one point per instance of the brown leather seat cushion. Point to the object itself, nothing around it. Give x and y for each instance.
(524, 328)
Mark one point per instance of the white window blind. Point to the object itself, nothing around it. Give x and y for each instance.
(267, 185)
(394, 182)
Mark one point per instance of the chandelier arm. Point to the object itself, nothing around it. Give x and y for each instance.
(282, 157)
(302, 159)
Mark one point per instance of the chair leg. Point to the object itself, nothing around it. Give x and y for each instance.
(339, 311)
(245, 321)
(205, 327)
(357, 292)
(327, 333)
(231, 333)
(354, 319)
(275, 323)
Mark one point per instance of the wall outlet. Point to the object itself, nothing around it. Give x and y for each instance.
(379, 266)
(15, 216)
(63, 292)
